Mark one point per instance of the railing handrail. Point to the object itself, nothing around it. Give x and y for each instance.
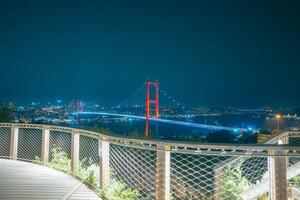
(277, 154)
(268, 141)
(229, 148)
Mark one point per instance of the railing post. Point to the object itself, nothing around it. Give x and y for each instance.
(285, 139)
(75, 152)
(45, 146)
(277, 164)
(163, 162)
(13, 154)
(104, 162)
(218, 183)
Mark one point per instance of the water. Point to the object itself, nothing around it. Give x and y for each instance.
(136, 128)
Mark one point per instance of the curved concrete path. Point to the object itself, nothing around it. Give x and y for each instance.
(23, 180)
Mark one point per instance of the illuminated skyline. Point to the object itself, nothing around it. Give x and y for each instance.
(213, 53)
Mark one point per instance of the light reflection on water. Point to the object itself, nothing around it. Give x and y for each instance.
(136, 127)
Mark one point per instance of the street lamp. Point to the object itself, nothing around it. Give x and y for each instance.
(278, 117)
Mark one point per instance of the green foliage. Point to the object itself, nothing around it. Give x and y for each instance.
(88, 172)
(233, 183)
(91, 178)
(98, 129)
(263, 197)
(136, 134)
(295, 181)
(5, 113)
(118, 190)
(37, 160)
(60, 160)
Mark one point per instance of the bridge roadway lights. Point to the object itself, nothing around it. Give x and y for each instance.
(181, 123)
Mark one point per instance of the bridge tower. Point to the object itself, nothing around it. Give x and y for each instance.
(79, 106)
(149, 102)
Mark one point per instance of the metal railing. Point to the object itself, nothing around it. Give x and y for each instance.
(161, 170)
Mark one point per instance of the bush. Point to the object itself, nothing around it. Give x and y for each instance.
(234, 183)
(118, 190)
(89, 173)
(295, 181)
(60, 160)
(5, 113)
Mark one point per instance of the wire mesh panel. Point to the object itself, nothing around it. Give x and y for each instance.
(29, 144)
(293, 174)
(192, 176)
(135, 167)
(254, 169)
(5, 135)
(89, 161)
(293, 160)
(294, 140)
(242, 175)
(60, 150)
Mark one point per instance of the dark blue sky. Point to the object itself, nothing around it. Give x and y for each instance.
(205, 53)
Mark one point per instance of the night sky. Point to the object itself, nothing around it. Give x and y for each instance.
(206, 53)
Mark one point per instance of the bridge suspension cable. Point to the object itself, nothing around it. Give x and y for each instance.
(168, 101)
(136, 103)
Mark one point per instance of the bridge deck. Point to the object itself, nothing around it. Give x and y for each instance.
(174, 122)
(22, 180)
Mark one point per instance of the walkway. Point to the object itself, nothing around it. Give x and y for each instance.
(23, 180)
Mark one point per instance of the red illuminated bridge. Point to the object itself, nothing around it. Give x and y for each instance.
(145, 99)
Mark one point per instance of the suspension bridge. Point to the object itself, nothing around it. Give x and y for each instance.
(151, 103)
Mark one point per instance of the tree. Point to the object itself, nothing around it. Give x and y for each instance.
(5, 113)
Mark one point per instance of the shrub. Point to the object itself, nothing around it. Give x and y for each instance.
(60, 160)
(89, 173)
(118, 190)
(233, 183)
(295, 181)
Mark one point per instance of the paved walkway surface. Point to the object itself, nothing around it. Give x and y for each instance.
(23, 180)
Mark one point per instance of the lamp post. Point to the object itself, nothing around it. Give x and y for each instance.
(278, 117)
